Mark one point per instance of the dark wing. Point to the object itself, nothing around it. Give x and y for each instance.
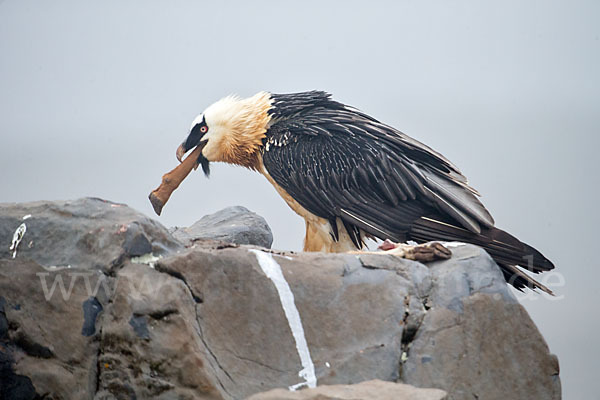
(338, 162)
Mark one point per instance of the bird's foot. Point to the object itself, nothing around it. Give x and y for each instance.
(425, 252)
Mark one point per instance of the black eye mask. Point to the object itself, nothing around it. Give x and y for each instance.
(194, 137)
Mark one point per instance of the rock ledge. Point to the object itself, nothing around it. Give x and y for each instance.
(139, 315)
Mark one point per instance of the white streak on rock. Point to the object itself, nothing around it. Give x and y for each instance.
(148, 258)
(454, 244)
(56, 267)
(26, 217)
(272, 270)
(17, 237)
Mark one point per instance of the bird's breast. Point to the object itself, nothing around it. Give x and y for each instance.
(318, 230)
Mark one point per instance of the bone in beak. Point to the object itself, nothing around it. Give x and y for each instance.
(172, 179)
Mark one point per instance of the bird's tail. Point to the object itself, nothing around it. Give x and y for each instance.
(508, 251)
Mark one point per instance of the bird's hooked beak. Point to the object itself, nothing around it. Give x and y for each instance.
(185, 147)
(181, 152)
(193, 139)
(182, 149)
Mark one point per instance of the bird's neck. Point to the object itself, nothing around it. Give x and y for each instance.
(245, 129)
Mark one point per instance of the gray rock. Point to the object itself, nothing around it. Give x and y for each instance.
(150, 346)
(375, 390)
(363, 318)
(236, 225)
(44, 340)
(476, 334)
(87, 233)
(212, 322)
(352, 317)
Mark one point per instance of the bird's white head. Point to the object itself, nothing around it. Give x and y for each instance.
(230, 130)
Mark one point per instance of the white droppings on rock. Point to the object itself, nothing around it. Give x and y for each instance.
(272, 270)
(454, 244)
(327, 364)
(17, 237)
(56, 267)
(149, 259)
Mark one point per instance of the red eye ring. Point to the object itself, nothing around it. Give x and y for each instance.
(203, 129)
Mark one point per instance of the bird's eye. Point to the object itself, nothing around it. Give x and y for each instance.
(204, 129)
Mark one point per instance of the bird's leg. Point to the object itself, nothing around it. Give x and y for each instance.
(425, 252)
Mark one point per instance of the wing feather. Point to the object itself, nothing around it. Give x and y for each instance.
(340, 163)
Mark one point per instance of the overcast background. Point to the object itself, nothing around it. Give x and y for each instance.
(96, 96)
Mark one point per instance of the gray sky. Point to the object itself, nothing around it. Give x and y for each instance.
(96, 96)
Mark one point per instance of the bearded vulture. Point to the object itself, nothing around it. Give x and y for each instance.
(353, 177)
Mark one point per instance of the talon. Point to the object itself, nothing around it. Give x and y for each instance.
(425, 252)
(428, 252)
(441, 251)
